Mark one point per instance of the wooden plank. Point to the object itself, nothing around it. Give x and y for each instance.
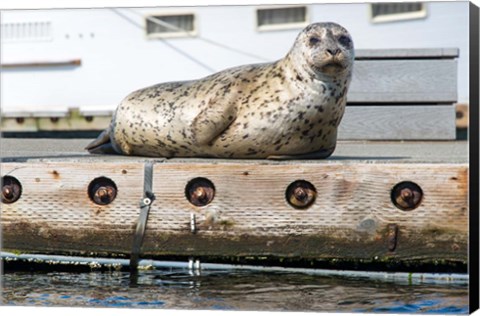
(76, 123)
(402, 53)
(51, 121)
(55, 213)
(404, 81)
(42, 64)
(413, 122)
(249, 215)
(18, 124)
(37, 114)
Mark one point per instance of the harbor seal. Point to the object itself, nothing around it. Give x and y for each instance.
(290, 108)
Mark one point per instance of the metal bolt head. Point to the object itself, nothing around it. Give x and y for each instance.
(301, 194)
(146, 201)
(102, 191)
(200, 191)
(11, 189)
(104, 195)
(7, 192)
(407, 195)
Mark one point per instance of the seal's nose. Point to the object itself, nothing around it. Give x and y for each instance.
(333, 52)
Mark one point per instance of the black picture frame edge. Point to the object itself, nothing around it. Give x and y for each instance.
(474, 160)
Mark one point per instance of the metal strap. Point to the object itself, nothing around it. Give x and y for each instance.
(145, 204)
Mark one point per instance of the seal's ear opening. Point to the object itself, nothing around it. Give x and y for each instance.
(102, 144)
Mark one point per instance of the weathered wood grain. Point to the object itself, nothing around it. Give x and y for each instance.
(404, 81)
(412, 122)
(249, 215)
(55, 212)
(23, 123)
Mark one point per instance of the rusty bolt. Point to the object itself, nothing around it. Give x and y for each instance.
(301, 194)
(200, 191)
(11, 189)
(104, 195)
(406, 195)
(7, 191)
(102, 191)
(392, 236)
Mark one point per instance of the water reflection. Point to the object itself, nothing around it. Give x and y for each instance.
(237, 290)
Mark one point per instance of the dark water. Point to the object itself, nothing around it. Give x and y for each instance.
(232, 290)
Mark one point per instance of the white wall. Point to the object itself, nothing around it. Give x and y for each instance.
(117, 58)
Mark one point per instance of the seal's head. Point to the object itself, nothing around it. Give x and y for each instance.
(327, 49)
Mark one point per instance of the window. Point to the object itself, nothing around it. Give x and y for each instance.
(171, 25)
(281, 18)
(26, 31)
(387, 12)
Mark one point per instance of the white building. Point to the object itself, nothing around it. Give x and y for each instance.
(92, 58)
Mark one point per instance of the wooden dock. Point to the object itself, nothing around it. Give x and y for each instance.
(372, 205)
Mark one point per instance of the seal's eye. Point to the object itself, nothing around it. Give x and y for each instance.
(314, 40)
(345, 40)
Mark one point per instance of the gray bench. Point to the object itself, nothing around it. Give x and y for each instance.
(402, 94)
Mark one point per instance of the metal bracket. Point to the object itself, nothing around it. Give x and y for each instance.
(392, 237)
(193, 227)
(145, 205)
(194, 266)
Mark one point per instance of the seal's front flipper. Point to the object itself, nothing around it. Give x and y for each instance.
(102, 145)
(212, 121)
(321, 154)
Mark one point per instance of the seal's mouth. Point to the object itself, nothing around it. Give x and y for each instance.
(333, 64)
(330, 67)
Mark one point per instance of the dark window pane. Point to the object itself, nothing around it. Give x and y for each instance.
(281, 16)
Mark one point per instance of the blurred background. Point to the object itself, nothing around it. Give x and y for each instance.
(90, 59)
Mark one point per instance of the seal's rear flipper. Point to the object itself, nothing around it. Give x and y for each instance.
(102, 145)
